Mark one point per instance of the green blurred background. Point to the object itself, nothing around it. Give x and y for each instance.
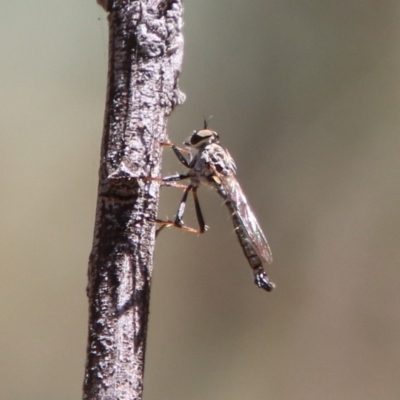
(305, 94)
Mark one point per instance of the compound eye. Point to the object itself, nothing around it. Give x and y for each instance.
(199, 136)
(195, 139)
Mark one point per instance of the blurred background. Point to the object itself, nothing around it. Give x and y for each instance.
(306, 96)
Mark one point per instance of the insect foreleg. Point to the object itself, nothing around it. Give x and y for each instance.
(181, 157)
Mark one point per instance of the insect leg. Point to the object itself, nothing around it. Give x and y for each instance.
(166, 224)
(178, 223)
(170, 144)
(182, 205)
(181, 157)
(169, 181)
(200, 218)
(174, 178)
(179, 153)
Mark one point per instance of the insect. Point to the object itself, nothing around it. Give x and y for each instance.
(213, 166)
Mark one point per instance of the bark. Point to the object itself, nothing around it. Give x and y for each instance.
(145, 55)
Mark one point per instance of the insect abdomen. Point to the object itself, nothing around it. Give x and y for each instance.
(260, 276)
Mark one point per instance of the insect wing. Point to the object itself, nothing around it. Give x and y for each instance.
(249, 222)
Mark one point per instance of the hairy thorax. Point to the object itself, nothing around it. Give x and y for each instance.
(211, 164)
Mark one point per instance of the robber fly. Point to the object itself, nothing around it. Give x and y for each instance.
(213, 166)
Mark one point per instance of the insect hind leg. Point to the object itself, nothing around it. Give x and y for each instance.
(178, 222)
(199, 214)
(168, 223)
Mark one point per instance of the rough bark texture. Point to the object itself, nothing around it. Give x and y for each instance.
(145, 54)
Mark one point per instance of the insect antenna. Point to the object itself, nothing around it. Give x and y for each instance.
(206, 121)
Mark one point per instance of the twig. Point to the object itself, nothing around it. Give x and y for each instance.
(145, 55)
